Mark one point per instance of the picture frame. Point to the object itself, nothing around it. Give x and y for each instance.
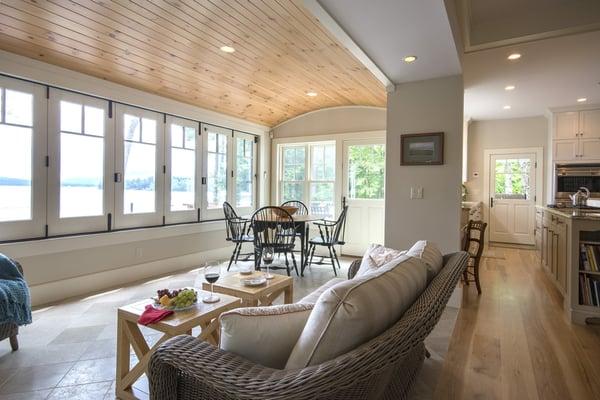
(422, 149)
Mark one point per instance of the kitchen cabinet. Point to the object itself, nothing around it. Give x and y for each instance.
(589, 149)
(554, 249)
(589, 123)
(566, 150)
(576, 136)
(567, 125)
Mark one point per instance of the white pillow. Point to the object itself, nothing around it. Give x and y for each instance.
(430, 254)
(354, 311)
(375, 257)
(265, 335)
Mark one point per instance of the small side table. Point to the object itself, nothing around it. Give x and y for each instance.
(206, 316)
(253, 296)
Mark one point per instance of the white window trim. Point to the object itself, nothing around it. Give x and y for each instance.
(36, 226)
(174, 217)
(56, 224)
(121, 219)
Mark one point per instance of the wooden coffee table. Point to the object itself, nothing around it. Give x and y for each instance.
(205, 316)
(253, 296)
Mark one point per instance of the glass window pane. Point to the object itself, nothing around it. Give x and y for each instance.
(19, 108)
(366, 171)
(94, 121)
(1, 114)
(70, 117)
(512, 179)
(148, 130)
(15, 173)
(131, 126)
(222, 144)
(321, 198)
(140, 161)
(243, 189)
(292, 191)
(183, 167)
(190, 138)
(176, 135)
(212, 142)
(216, 185)
(81, 175)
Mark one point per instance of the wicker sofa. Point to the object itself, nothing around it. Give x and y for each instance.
(10, 330)
(383, 368)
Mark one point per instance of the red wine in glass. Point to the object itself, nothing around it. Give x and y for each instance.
(212, 274)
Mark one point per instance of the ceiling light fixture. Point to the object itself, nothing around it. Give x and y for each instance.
(507, 107)
(581, 99)
(509, 87)
(227, 49)
(409, 59)
(312, 93)
(514, 56)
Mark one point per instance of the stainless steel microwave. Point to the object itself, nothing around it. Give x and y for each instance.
(570, 177)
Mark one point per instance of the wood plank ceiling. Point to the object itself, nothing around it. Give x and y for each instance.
(172, 48)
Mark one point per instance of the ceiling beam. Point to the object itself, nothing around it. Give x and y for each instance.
(340, 34)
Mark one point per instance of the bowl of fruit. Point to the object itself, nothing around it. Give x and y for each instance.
(176, 300)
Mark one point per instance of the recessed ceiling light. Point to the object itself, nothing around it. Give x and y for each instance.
(312, 93)
(581, 99)
(507, 107)
(227, 49)
(409, 59)
(509, 87)
(514, 56)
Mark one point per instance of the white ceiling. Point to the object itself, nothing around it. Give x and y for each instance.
(389, 30)
(551, 73)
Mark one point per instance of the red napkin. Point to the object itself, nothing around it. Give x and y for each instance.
(152, 315)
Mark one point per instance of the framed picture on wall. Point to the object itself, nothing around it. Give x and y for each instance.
(422, 149)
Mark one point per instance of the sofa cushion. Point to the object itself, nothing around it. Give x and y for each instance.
(265, 335)
(375, 257)
(430, 254)
(312, 297)
(352, 312)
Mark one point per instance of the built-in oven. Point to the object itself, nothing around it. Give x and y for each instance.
(570, 177)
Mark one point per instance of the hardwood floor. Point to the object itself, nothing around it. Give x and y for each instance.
(514, 342)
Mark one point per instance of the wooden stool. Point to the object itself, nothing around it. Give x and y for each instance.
(473, 244)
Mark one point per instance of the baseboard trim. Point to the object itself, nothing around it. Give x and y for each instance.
(52, 292)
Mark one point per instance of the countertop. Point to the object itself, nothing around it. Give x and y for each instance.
(573, 213)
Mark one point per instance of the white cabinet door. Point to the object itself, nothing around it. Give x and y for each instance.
(589, 123)
(589, 149)
(566, 150)
(567, 125)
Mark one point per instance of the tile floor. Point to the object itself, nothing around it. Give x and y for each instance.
(68, 352)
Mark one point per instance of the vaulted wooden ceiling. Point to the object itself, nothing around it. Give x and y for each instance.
(172, 48)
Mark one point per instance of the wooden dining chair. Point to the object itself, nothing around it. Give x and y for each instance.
(474, 242)
(270, 226)
(237, 229)
(331, 234)
(302, 209)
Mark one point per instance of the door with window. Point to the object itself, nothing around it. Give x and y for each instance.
(512, 197)
(364, 194)
(244, 173)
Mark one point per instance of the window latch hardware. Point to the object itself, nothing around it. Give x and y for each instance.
(117, 177)
(204, 180)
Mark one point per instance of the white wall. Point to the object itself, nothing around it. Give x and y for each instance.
(332, 121)
(62, 267)
(499, 134)
(427, 106)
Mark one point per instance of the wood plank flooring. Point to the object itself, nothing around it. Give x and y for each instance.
(514, 342)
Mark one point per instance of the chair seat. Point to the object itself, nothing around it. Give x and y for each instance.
(318, 240)
(244, 239)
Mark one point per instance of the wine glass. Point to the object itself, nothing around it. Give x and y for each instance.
(268, 255)
(212, 274)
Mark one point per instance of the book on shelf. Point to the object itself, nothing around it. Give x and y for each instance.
(589, 290)
(589, 257)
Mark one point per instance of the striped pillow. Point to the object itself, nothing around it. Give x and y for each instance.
(354, 311)
(430, 254)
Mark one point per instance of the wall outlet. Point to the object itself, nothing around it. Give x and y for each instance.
(138, 252)
(416, 193)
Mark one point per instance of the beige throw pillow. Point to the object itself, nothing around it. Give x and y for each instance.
(354, 311)
(265, 335)
(377, 256)
(430, 254)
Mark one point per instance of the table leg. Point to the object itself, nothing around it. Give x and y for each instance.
(123, 355)
(303, 235)
(288, 294)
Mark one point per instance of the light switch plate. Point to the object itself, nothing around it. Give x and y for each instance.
(416, 192)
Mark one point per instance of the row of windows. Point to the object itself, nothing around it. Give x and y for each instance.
(74, 163)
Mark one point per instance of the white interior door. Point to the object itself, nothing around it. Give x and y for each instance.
(364, 193)
(512, 197)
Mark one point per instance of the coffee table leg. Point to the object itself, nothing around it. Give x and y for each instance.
(123, 358)
(288, 294)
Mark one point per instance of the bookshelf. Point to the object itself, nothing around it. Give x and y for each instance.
(589, 269)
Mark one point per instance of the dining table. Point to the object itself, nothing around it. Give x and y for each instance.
(302, 224)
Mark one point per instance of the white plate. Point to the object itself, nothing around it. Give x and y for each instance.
(254, 281)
